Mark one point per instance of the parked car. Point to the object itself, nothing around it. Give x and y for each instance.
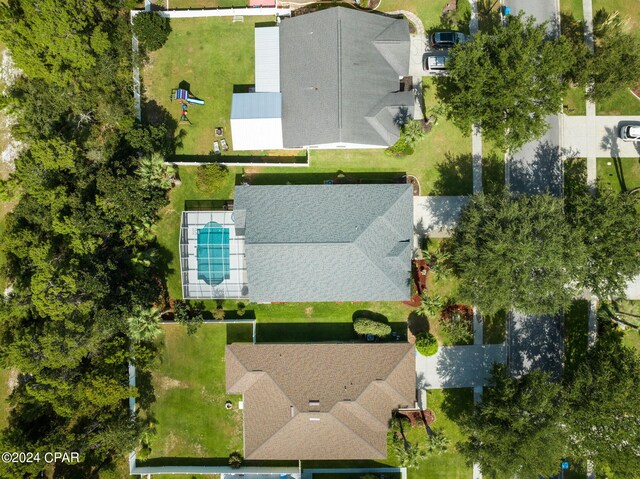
(435, 63)
(446, 39)
(630, 133)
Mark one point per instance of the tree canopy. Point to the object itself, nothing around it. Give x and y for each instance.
(507, 80)
(151, 29)
(516, 253)
(78, 244)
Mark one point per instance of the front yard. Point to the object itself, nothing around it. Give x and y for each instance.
(622, 174)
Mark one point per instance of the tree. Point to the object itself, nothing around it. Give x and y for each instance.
(153, 172)
(507, 80)
(409, 455)
(516, 431)
(219, 313)
(210, 177)
(430, 304)
(367, 326)
(413, 132)
(144, 324)
(516, 253)
(189, 315)
(151, 29)
(603, 396)
(609, 226)
(615, 64)
(438, 442)
(426, 344)
(457, 322)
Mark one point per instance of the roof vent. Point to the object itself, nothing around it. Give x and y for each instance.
(314, 419)
(314, 403)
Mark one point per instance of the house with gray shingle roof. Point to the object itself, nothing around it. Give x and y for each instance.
(326, 242)
(320, 401)
(334, 76)
(299, 243)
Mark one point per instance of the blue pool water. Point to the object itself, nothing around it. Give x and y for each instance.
(213, 253)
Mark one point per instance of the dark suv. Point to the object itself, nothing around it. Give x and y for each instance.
(446, 39)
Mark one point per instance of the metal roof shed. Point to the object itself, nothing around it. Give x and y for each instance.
(267, 59)
(256, 121)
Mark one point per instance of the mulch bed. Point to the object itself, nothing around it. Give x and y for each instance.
(463, 309)
(414, 302)
(417, 418)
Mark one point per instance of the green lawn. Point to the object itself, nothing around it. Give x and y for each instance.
(575, 102)
(623, 102)
(447, 405)
(632, 339)
(622, 174)
(573, 8)
(211, 55)
(189, 411)
(495, 328)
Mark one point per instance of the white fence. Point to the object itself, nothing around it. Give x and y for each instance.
(222, 12)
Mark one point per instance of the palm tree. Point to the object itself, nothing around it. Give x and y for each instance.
(438, 442)
(430, 304)
(413, 132)
(153, 171)
(144, 324)
(409, 455)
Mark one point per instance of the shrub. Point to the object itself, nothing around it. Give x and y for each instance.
(218, 314)
(457, 322)
(235, 460)
(242, 308)
(369, 326)
(426, 344)
(189, 315)
(210, 177)
(430, 304)
(151, 29)
(400, 148)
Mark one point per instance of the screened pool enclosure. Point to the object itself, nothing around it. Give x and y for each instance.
(212, 258)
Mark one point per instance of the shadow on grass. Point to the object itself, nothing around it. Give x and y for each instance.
(495, 327)
(493, 174)
(239, 333)
(261, 159)
(367, 314)
(338, 177)
(316, 332)
(455, 176)
(417, 323)
(457, 403)
(575, 176)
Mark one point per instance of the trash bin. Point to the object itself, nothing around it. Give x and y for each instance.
(506, 10)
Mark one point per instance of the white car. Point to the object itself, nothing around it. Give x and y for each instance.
(630, 133)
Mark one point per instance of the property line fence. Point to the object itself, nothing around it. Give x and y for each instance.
(221, 12)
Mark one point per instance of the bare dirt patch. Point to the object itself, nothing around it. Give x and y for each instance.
(165, 383)
(308, 311)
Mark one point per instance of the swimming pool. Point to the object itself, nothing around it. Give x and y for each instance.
(213, 253)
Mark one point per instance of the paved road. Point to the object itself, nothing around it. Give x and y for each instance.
(535, 342)
(458, 366)
(598, 136)
(537, 167)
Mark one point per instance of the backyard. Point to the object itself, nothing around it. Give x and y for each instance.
(192, 372)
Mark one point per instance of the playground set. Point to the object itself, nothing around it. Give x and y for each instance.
(185, 98)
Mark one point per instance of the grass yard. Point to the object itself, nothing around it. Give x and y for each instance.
(632, 339)
(5, 376)
(575, 102)
(189, 410)
(210, 55)
(447, 405)
(623, 102)
(429, 11)
(621, 174)
(572, 8)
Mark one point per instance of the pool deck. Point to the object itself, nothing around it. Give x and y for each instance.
(236, 286)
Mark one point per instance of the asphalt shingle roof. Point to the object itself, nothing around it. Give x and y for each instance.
(327, 242)
(356, 387)
(339, 68)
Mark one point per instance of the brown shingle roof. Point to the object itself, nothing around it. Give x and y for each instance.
(357, 386)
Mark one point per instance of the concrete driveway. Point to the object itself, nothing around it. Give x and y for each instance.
(538, 166)
(598, 136)
(541, 10)
(458, 366)
(535, 343)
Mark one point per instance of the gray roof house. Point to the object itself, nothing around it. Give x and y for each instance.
(326, 242)
(319, 401)
(339, 74)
